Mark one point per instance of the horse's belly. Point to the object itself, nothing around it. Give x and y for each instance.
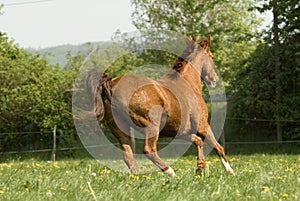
(168, 131)
(175, 127)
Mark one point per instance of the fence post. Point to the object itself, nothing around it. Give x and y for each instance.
(54, 144)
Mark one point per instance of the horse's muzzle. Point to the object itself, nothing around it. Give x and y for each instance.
(213, 84)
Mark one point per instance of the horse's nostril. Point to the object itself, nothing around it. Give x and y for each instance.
(213, 83)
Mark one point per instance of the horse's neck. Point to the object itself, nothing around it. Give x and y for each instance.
(189, 73)
(192, 76)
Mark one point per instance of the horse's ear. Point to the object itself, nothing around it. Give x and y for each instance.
(194, 38)
(205, 44)
(191, 38)
(188, 40)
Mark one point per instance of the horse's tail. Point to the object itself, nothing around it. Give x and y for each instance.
(94, 85)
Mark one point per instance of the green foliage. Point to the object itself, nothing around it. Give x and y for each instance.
(232, 25)
(254, 89)
(288, 16)
(34, 95)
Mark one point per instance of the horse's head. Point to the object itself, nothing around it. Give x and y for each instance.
(199, 54)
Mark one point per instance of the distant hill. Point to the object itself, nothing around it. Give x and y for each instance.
(58, 54)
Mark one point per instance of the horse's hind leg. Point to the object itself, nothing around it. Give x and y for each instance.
(126, 145)
(150, 150)
(151, 138)
(128, 156)
(211, 140)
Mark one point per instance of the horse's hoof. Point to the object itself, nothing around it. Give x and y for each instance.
(170, 172)
(200, 172)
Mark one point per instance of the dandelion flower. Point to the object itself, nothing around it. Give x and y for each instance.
(135, 177)
(189, 162)
(55, 165)
(63, 189)
(38, 165)
(285, 195)
(265, 189)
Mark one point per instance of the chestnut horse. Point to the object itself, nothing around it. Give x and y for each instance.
(172, 106)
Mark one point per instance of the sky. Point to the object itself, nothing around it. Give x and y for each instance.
(46, 23)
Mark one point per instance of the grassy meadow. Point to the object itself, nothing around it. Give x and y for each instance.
(257, 177)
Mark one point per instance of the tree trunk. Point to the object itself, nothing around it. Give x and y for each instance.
(277, 71)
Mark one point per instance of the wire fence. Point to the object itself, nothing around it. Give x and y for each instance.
(53, 149)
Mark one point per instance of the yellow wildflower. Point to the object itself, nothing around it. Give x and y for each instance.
(265, 189)
(38, 165)
(135, 177)
(6, 165)
(147, 177)
(233, 159)
(63, 189)
(189, 162)
(55, 165)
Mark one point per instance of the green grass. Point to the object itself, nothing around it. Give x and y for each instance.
(257, 177)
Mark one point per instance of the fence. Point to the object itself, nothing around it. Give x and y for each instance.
(231, 147)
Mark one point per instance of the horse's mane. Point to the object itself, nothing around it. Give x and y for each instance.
(192, 46)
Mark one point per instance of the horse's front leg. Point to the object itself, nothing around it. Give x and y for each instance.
(197, 141)
(211, 140)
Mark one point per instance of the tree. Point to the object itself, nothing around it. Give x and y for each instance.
(267, 87)
(33, 95)
(285, 27)
(232, 25)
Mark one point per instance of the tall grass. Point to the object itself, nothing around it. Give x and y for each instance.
(257, 177)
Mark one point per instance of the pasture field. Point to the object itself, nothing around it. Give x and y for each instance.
(257, 177)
